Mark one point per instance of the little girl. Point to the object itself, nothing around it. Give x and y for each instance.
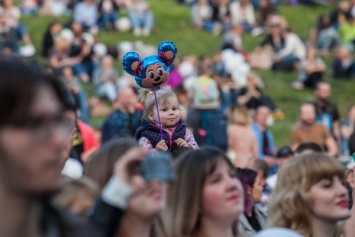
(175, 133)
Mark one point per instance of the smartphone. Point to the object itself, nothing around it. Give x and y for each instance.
(158, 166)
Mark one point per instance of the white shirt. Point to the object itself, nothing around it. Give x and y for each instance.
(240, 15)
(271, 181)
(86, 13)
(294, 46)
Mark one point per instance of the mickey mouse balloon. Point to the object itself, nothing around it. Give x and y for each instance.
(151, 71)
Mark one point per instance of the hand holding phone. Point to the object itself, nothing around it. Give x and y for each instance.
(158, 166)
(127, 164)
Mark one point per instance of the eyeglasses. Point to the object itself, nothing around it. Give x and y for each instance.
(42, 128)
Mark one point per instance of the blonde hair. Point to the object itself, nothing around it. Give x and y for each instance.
(61, 45)
(240, 116)
(182, 215)
(64, 199)
(147, 97)
(291, 205)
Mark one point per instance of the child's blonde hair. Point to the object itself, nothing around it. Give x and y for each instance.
(147, 98)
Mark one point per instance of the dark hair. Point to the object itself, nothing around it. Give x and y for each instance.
(321, 24)
(19, 82)
(247, 177)
(203, 70)
(312, 146)
(69, 102)
(51, 24)
(284, 152)
(179, 151)
(260, 164)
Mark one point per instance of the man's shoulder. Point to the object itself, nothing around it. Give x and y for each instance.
(297, 129)
(319, 126)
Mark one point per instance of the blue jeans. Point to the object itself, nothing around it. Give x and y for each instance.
(327, 43)
(208, 25)
(29, 11)
(256, 4)
(78, 69)
(21, 31)
(84, 67)
(84, 107)
(107, 18)
(290, 59)
(247, 27)
(142, 21)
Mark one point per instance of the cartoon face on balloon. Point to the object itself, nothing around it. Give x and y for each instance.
(152, 71)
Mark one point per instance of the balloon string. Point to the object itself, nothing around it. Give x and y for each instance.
(160, 125)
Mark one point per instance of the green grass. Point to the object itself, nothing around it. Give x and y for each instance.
(173, 23)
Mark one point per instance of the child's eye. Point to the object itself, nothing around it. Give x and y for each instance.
(151, 74)
(174, 109)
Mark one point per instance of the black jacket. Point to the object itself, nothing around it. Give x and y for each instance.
(106, 218)
(103, 222)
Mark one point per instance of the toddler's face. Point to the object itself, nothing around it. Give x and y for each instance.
(169, 113)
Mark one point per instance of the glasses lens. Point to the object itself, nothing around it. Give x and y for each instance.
(44, 130)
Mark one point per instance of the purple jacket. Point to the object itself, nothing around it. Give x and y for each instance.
(152, 132)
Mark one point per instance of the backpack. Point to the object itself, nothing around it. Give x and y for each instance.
(206, 90)
(211, 128)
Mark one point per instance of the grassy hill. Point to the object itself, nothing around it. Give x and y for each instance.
(173, 23)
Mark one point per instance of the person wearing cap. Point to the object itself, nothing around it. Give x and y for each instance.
(282, 155)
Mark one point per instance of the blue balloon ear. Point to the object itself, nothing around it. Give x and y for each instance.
(139, 82)
(167, 52)
(131, 63)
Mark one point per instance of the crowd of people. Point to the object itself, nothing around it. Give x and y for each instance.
(125, 189)
(213, 167)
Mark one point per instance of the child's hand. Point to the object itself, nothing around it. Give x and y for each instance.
(181, 142)
(161, 146)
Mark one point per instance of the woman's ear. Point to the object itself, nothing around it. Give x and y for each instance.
(249, 191)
